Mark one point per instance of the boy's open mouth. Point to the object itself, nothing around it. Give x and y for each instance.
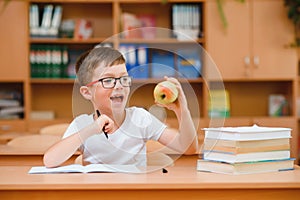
(117, 98)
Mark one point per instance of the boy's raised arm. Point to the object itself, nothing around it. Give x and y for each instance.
(185, 141)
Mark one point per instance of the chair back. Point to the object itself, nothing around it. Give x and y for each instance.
(54, 129)
(34, 142)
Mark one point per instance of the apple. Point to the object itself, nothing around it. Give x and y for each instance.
(165, 92)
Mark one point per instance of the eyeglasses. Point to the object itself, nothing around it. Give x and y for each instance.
(110, 82)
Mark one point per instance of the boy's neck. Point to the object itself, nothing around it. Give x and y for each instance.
(119, 117)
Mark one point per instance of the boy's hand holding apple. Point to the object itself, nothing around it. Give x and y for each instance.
(169, 94)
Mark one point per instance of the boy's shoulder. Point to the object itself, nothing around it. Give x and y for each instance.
(83, 119)
(78, 123)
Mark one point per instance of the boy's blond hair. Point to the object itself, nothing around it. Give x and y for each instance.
(91, 59)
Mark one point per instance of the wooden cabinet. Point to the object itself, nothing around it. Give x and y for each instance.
(254, 45)
(228, 47)
(13, 51)
(14, 59)
(271, 36)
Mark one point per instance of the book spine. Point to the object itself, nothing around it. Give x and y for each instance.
(34, 19)
(65, 61)
(57, 17)
(47, 16)
(56, 62)
(47, 67)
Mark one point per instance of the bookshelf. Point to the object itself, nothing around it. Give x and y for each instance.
(248, 40)
(106, 14)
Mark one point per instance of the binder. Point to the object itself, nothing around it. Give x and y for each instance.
(141, 68)
(162, 64)
(189, 63)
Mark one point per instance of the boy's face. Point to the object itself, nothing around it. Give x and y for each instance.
(110, 99)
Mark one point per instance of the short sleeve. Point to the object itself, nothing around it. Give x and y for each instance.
(77, 124)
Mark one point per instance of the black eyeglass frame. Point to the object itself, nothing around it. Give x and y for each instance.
(115, 81)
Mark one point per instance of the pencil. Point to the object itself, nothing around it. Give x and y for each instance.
(98, 114)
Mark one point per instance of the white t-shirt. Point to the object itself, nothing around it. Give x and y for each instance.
(127, 145)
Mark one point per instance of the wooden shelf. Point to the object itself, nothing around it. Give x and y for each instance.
(52, 80)
(135, 81)
(75, 1)
(161, 41)
(67, 41)
(160, 1)
(14, 80)
(283, 79)
(156, 80)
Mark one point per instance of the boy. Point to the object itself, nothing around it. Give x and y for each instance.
(105, 82)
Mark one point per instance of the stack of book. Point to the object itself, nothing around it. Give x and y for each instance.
(11, 104)
(246, 150)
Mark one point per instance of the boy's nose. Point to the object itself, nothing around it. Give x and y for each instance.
(118, 83)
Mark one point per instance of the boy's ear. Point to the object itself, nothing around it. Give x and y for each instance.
(85, 92)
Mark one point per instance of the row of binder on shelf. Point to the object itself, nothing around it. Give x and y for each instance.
(55, 61)
(58, 61)
(49, 61)
(145, 62)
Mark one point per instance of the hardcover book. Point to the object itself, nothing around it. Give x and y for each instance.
(246, 157)
(245, 167)
(246, 144)
(247, 133)
(237, 150)
(9, 102)
(231, 146)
